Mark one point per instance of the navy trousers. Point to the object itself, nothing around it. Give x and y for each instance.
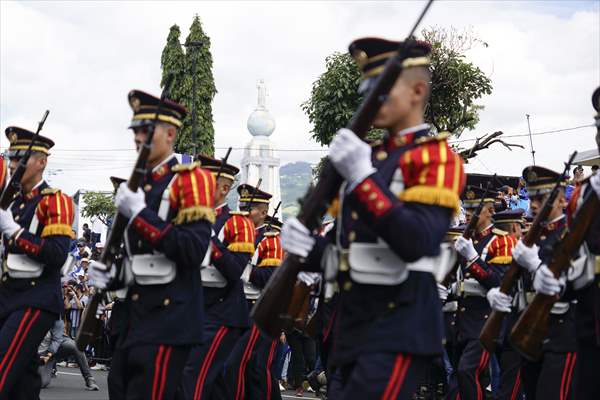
(21, 332)
(202, 375)
(551, 378)
(378, 376)
(147, 372)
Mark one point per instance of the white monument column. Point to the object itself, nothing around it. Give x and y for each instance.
(259, 160)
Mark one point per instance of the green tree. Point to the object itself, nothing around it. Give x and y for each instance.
(99, 205)
(174, 59)
(456, 85)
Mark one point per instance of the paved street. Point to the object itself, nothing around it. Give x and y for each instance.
(69, 386)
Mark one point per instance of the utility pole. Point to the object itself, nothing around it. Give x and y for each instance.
(194, 46)
(530, 140)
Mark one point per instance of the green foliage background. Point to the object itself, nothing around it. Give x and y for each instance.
(99, 205)
(179, 59)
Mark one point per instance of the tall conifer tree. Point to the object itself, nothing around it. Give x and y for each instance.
(174, 59)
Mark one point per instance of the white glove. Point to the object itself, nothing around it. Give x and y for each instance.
(442, 292)
(544, 281)
(526, 257)
(99, 274)
(499, 301)
(310, 278)
(465, 248)
(129, 203)
(296, 238)
(595, 182)
(100, 310)
(8, 226)
(351, 157)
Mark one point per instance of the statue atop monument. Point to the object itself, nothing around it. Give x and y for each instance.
(261, 122)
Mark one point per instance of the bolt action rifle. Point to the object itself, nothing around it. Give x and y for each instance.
(489, 336)
(222, 166)
(14, 184)
(269, 312)
(532, 327)
(90, 323)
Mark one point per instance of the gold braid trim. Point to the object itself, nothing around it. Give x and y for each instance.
(195, 213)
(431, 195)
(58, 230)
(241, 247)
(501, 260)
(270, 262)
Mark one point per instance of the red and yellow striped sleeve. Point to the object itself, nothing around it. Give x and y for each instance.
(270, 252)
(192, 194)
(56, 213)
(239, 234)
(500, 249)
(433, 174)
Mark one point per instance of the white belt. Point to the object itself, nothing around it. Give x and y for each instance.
(470, 287)
(377, 264)
(251, 291)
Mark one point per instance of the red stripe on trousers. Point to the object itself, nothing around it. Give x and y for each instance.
(269, 363)
(573, 361)
(247, 352)
(390, 385)
(15, 338)
(36, 314)
(401, 377)
(397, 378)
(515, 391)
(165, 366)
(482, 363)
(564, 376)
(157, 361)
(208, 359)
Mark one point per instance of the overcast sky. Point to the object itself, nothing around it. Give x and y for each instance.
(80, 59)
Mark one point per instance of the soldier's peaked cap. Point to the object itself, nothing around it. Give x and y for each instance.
(506, 216)
(371, 54)
(20, 139)
(275, 222)
(540, 180)
(145, 106)
(245, 191)
(472, 195)
(213, 165)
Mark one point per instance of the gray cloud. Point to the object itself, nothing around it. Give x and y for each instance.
(81, 58)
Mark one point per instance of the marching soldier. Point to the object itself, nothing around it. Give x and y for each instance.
(474, 278)
(508, 226)
(244, 377)
(168, 237)
(552, 376)
(396, 206)
(37, 231)
(227, 316)
(587, 292)
(262, 380)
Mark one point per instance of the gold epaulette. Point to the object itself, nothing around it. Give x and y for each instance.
(499, 232)
(439, 137)
(185, 167)
(242, 213)
(47, 191)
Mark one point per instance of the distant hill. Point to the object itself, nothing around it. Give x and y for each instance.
(295, 179)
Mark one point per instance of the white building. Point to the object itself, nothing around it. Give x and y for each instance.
(259, 160)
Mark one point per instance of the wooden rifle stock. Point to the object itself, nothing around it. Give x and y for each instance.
(90, 324)
(532, 327)
(14, 184)
(489, 336)
(297, 310)
(270, 311)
